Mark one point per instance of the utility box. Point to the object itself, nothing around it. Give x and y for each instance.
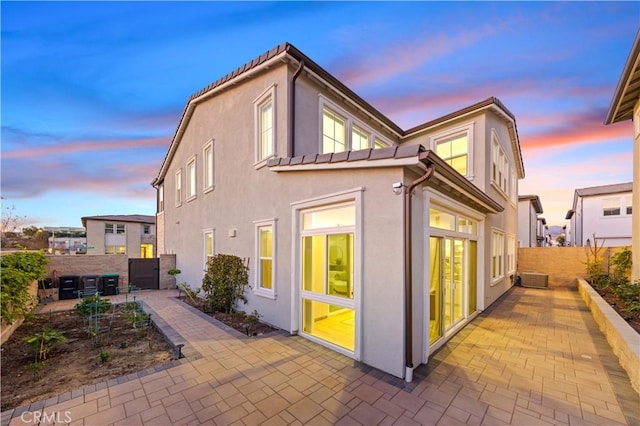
(110, 284)
(534, 279)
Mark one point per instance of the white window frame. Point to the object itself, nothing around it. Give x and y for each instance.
(266, 97)
(146, 229)
(178, 187)
(161, 198)
(617, 201)
(120, 229)
(628, 208)
(192, 178)
(511, 254)
(362, 133)
(497, 254)
(115, 249)
(206, 255)
(452, 133)
(109, 228)
(500, 166)
(514, 188)
(269, 293)
(208, 170)
(350, 123)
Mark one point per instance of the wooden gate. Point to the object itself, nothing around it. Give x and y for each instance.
(145, 273)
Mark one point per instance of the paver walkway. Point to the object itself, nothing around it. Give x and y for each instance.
(535, 357)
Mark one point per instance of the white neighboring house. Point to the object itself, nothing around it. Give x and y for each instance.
(377, 242)
(530, 226)
(625, 105)
(132, 235)
(604, 211)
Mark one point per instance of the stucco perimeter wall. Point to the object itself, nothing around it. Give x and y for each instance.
(167, 261)
(90, 265)
(7, 330)
(562, 264)
(624, 340)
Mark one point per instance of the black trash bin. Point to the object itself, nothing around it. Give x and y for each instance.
(90, 285)
(68, 287)
(110, 284)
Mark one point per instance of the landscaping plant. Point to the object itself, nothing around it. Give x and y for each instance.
(225, 281)
(17, 271)
(43, 342)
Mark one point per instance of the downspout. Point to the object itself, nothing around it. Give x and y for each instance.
(292, 105)
(408, 269)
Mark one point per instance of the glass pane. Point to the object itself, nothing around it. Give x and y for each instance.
(379, 144)
(266, 273)
(458, 280)
(459, 146)
(359, 139)
(266, 245)
(438, 219)
(330, 218)
(209, 244)
(467, 226)
(313, 263)
(448, 258)
(435, 289)
(459, 164)
(473, 276)
(330, 323)
(340, 267)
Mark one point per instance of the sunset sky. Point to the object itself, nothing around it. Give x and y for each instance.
(92, 92)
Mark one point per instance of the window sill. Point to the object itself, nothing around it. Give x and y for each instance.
(190, 199)
(209, 189)
(495, 281)
(500, 190)
(265, 293)
(179, 204)
(260, 164)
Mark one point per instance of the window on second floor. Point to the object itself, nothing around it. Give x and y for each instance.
(120, 228)
(629, 205)
(611, 207)
(178, 187)
(160, 198)
(333, 132)
(113, 228)
(454, 146)
(265, 125)
(359, 138)
(191, 179)
(146, 229)
(108, 228)
(500, 173)
(208, 166)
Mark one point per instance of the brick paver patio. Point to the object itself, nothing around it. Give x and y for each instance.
(536, 357)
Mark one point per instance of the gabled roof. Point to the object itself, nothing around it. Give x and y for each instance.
(133, 218)
(445, 179)
(615, 188)
(535, 200)
(628, 90)
(287, 53)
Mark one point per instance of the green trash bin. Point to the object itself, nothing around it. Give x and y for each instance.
(110, 284)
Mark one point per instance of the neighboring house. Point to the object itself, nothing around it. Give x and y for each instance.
(377, 242)
(131, 235)
(530, 226)
(625, 105)
(604, 211)
(66, 240)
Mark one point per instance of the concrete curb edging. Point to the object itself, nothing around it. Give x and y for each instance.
(623, 339)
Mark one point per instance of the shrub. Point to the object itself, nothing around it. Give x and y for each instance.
(621, 263)
(18, 270)
(225, 281)
(92, 305)
(43, 342)
(629, 294)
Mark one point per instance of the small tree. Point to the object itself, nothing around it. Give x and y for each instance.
(224, 282)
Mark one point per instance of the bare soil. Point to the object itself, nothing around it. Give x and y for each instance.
(236, 320)
(75, 363)
(632, 319)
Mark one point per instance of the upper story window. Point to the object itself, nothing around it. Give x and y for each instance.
(178, 187)
(500, 174)
(454, 146)
(108, 228)
(333, 132)
(120, 228)
(160, 198)
(611, 207)
(112, 228)
(191, 179)
(208, 166)
(265, 119)
(340, 132)
(146, 229)
(629, 204)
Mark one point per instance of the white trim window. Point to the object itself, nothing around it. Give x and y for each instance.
(455, 147)
(611, 207)
(191, 179)
(207, 177)
(514, 187)
(160, 198)
(629, 205)
(265, 253)
(115, 250)
(265, 125)
(511, 254)
(341, 132)
(208, 247)
(497, 255)
(178, 187)
(109, 228)
(500, 167)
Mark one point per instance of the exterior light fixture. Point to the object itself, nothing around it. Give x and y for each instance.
(397, 188)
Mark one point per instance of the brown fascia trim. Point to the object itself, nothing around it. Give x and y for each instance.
(535, 200)
(613, 116)
(442, 168)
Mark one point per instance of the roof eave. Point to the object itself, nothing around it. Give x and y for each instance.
(631, 67)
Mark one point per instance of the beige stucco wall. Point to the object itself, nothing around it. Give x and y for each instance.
(89, 265)
(131, 239)
(635, 218)
(7, 330)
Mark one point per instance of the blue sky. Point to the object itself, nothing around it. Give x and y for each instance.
(92, 91)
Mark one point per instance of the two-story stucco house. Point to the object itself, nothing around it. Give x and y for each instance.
(375, 241)
(531, 227)
(625, 105)
(131, 235)
(604, 211)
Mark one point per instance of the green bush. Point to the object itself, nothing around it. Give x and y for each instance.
(18, 270)
(43, 342)
(629, 294)
(92, 305)
(225, 281)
